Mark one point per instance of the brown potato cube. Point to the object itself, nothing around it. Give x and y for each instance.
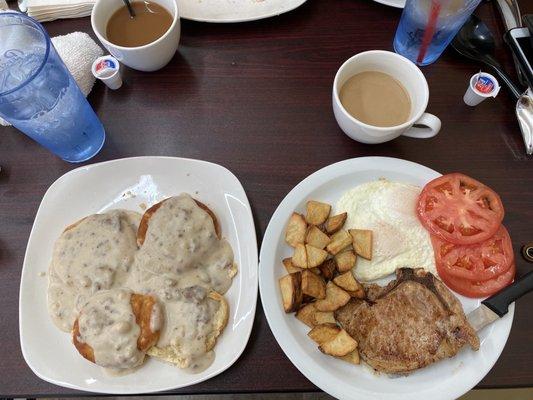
(317, 212)
(341, 345)
(324, 333)
(316, 238)
(315, 256)
(313, 285)
(306, 314)
(352, 358)
(287, 263)
(335, 298)
(327, 268)
(339, 241)
(324, 317)
(345, 260)
(296, 230)
(291, 291)
(299, 258)
(335, 223)
(348, 282)
(362, 242)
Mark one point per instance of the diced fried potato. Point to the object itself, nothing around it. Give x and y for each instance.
(335, 223)
(324, 333)
(345, 260)
(296, 230)
(341, 345)
(335, 298)
(315, 256)
(306, 314)
(317, 212)
(316, 238)
(348, 282)
(299, 258)
(339, 241)
(313, 285)
(324, 317)
(291, 291)
(315, 270)
(327, 268)
(287, 263)
(362, 242)
(352, 358)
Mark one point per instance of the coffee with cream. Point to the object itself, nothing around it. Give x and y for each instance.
(376, 99)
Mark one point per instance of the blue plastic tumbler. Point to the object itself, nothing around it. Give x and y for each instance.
(428, 26)
(39, 96)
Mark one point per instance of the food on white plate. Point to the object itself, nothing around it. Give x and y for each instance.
(289, 266)
(335, 298)
(341, 345)
(473, 251)
(296, 230)
(315, 256)
(291, 291)
(196, 317)
(115, 328)
(347, 282)
(335, 223)
(299, 257)
(310, 316)
(345, 260)
(93, 254)
(460, 210)
(362, 242)
(339, 241)
(323, 333)
(412, 322)
(313, 285)
(328, 268)
(316, 238)
(387, 209)
(182, 261)
(316, 212)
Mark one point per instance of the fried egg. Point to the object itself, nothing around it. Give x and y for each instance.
(399, 239)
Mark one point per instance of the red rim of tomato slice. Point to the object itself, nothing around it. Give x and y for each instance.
(477, 262)
(459, 209)
(478, 289)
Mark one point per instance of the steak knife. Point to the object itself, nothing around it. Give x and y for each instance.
(496, 306)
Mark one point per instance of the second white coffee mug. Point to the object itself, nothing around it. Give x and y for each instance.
(420, 124)
(150, 57)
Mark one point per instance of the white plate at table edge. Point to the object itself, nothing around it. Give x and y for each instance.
(326, 372)
(251, 17)
(245, 249)
(392, 3)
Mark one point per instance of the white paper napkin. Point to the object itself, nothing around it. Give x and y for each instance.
(48, 10)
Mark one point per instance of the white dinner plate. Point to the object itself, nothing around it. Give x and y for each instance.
(392, 3)
(133, 183)
(446, 379)
(226, 11)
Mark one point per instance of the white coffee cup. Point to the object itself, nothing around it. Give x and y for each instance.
(409, 75)
(150, 57)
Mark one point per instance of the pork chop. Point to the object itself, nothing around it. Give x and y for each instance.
(410, 323)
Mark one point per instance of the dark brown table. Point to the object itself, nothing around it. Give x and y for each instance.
(255, 97)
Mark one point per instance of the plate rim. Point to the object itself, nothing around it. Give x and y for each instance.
(254, 294)
(298, 3)
(319, 380)
(391, 3)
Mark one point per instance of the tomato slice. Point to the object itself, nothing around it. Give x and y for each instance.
(480, 288)
(459, 209)
(477, 262)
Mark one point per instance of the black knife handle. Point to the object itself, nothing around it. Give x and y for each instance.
(499, 303)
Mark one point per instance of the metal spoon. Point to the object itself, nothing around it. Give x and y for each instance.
(475, 41)
(130, 8)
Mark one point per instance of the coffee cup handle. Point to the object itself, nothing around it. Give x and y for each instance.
(425, 127)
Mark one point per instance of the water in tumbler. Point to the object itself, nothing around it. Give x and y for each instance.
(414, 22)
(41, 98)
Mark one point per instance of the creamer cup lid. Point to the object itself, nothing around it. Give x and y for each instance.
(105, 67)
(484, 85)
